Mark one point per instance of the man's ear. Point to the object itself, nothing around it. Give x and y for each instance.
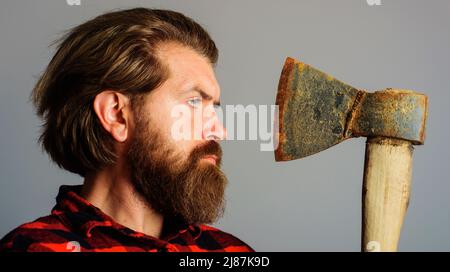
(113, 111)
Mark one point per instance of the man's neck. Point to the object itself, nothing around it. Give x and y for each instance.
(111, 191)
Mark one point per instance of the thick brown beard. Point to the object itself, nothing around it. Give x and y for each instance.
(188, 189)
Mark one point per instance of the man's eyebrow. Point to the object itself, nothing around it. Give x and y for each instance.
(205, 95)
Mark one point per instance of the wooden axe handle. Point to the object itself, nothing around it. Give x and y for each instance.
(386, 190)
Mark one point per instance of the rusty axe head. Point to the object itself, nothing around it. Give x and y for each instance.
(317, 111)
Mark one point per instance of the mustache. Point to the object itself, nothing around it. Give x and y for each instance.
(209, 148)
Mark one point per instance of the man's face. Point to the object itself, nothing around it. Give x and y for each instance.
(180, 176)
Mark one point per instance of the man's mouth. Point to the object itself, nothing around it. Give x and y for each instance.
(211, 158)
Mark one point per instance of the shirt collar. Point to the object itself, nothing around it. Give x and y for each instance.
(82, 216)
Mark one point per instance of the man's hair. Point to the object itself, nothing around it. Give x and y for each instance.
(114, 51)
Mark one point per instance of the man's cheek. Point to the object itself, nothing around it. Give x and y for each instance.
(186, 123)
(197, 124)
(180, 130)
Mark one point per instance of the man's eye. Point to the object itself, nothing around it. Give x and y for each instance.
(195, 102)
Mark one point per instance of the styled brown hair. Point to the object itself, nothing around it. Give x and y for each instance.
(114, 51)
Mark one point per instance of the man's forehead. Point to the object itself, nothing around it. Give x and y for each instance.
(188, 70)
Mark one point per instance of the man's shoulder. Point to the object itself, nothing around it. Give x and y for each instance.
(223, 240)
(38, 235)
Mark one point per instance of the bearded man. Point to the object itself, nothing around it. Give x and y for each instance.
(107, 100)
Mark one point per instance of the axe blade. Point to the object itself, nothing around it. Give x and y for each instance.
(313, 108)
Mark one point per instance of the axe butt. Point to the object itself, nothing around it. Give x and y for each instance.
(386, 191)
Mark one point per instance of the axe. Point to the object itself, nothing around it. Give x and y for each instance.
(317, 111)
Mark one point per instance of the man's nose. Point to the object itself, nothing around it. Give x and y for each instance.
(214, 129)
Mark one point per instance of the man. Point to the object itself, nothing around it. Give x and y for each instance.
(110, 100)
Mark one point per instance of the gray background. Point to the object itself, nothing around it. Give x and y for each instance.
(311, 204)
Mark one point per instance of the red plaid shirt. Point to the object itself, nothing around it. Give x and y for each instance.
(77, 225)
